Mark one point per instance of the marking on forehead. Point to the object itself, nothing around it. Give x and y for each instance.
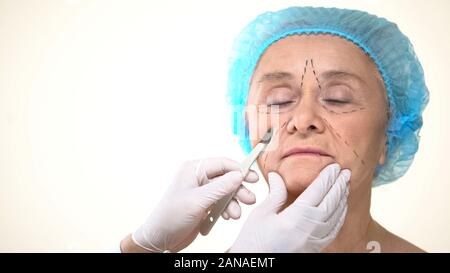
(315, 74)
(303, 75)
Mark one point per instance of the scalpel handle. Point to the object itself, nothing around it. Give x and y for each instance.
(219, 207)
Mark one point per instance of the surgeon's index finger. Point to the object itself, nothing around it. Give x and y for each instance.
(213, 167)
(332, 199)
(314, 194)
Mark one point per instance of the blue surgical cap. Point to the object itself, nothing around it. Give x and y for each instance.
(381, 40)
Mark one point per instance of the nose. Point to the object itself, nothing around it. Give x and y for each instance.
(306, 119)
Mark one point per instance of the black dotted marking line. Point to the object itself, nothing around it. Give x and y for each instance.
(334, 131)
(331, 128)
(344, 112)
(303, 75)
(315, 74)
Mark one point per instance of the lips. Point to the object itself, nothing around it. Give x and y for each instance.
(311, 151)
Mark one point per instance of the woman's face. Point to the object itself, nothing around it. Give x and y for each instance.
(325, 101)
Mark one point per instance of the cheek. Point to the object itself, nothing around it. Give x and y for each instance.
(260, 123)
(360, 145)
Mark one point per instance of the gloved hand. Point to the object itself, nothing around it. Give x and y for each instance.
(309, 224)
(174, 224)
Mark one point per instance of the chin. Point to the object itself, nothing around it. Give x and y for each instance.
(297, 181)
(299, 176)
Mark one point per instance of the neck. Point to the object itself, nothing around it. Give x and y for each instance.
(358, 227)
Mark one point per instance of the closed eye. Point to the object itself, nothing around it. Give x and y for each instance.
(336, 102)
(280, 104)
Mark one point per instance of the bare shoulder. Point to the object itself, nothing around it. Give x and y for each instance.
(389, 242)
(399, 244)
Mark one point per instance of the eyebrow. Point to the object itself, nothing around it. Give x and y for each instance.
(336, 74)
(327, 75)
(276, 76)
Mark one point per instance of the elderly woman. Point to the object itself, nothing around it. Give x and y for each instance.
(343, 92)
(342, 86)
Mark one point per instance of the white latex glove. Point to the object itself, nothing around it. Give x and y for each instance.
(174, 224)
(309, 224)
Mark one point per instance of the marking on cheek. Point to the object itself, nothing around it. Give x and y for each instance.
(344, 112)
(334, 131)
(265, 160)
(328, 110)
(275, 134)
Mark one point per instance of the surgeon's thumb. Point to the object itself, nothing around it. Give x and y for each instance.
(277, 193)
(219, 188)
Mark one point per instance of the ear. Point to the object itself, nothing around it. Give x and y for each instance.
(246, 116)
(383, 153)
